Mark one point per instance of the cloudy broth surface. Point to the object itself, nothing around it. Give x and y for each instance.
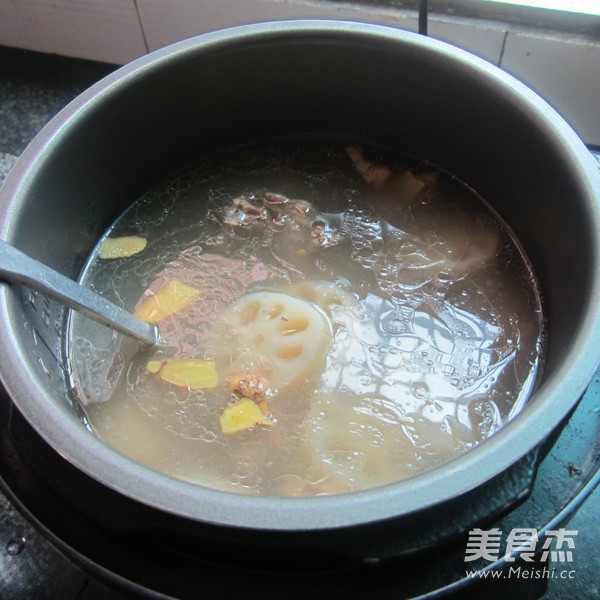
(332, 317)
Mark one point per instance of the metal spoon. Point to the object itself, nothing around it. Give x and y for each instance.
(17, 267)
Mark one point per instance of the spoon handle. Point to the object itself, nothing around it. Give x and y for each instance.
(17, 267)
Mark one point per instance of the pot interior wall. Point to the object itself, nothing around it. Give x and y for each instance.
(400, 94)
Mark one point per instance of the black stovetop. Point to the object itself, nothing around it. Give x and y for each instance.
(34, 87)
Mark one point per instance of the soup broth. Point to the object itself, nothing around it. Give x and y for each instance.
(332, 318)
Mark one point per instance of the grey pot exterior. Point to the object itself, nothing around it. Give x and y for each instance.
(290, 79)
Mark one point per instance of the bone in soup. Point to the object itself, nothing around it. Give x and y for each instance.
(332, 317)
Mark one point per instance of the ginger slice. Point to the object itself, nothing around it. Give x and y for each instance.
(242, 415)
(191, 373)
(170, 299)
(122, 247)
(154, 366)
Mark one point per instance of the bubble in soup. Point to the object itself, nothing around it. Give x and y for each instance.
(333, 318)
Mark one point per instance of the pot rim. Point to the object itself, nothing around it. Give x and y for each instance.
(60, 429)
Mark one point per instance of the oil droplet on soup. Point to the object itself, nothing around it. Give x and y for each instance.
(333, 318)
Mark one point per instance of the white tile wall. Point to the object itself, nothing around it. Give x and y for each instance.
(482, 40)
(106, 30)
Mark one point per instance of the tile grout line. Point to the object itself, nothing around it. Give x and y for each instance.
(502, 49)
(139, 16)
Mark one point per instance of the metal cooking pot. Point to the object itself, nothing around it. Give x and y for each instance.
(329, 79)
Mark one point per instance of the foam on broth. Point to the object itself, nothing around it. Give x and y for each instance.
(411, 324)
